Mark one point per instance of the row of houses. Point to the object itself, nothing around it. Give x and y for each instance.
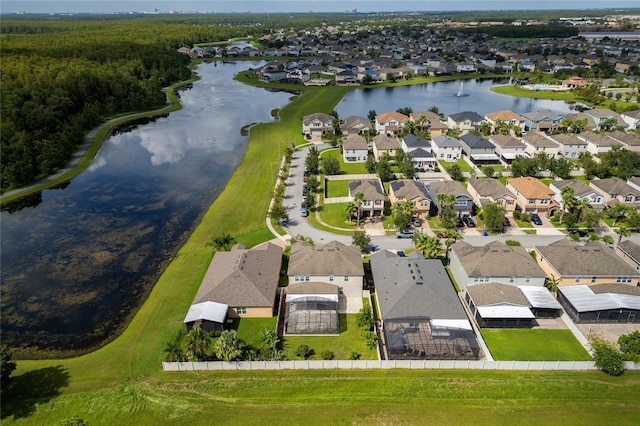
(422, 316)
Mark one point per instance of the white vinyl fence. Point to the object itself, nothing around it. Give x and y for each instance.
(374, 364)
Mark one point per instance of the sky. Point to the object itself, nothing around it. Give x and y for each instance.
(263, 6)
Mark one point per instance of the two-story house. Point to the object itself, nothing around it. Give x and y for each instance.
(317, 124)
(384, 144)
(536, 144)
(596, 142)
(532, 196)
(464, 121)
(428, 120)
(581, 191)
(416, 192)
(632, 118)
(446, 148)
(541, 121)
(569, 146)
(464, 202)
(505, 116)
(389, 122)
(489, 190)
(601, 115)
(628, 141)
(478, 149)
(355, 149)
(616, 191)
(508, 148)
(373, 204)
(354, 124)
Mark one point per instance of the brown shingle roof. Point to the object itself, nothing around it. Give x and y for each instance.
(355, 142)
(371, 189)
(494, 293)
(504, 115)
(384, 117)
(496, 259)
(531, 187)
(333, 258)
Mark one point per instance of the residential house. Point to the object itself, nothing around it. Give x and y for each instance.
(423, 159)
(411, 142)
(592, 263)
(332, 263)
(421, 315)
(243, 279)
(465, 67)
(312, 308)
(355, 149)
(356, 125)
(384, 144)
(591, 125)
(541, 121)
(508, 148)
(601, 115)
(581, 191)
(604, 303)
(632, 118)
(464, 121)
(317, 124)
(630, 253)
(574, 82)
(373, 191)
(569, 146)
(416, 192)
(489, 190)
(464, 202)
(495, 262)
(478, 149)
(616, 191)
(428, 120)
(389, 122)
(627, 140)
(446, 148)
(537, 144)
(532, 195)
(596, 142)
(505, 116)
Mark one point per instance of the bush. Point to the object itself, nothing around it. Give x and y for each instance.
(327, 354)
(370, 339)
(607, 357)
(355, 355)
(364, 319)
(630, 345)
(304, 351)
(512, 243)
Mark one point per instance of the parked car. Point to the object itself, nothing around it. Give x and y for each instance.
(303, 210)
(416, 222)
(506, 222)
(405, 233)
(469, 221)
(460, 223)
(535, 219)
(581, 232)
(400, 253)
(305, 191)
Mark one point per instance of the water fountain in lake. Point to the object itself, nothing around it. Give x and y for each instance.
(460, 93)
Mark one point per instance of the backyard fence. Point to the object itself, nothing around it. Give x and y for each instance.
(388, 364)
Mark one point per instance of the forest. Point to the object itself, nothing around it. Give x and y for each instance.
(61, 78)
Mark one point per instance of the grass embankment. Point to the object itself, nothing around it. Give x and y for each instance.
(351, 397)
(534, 345)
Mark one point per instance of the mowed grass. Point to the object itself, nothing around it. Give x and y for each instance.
(336, 215)
(534, 345)
(337, 188)
(345, 168)
(345, 397)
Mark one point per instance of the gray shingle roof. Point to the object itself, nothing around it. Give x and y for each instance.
(598, 139)
(496, 260)
(355, 142)
(399, 294)
(312, 288)
(626, 138)
(589, 260)
(382, 141)
(409, 189)
(490, 188)
(449, 187)
(445, 141)
(325, 118)
(506, 141)
(371, 189)
(567, 139)
(476, 142)
(614, 186)
(495, 293)
(537, 116)
(466, 115)
(631, 249)
(580, 188)
(535, 139)
(413, 141)
(354, 122)
(333, 258)
(242, 277)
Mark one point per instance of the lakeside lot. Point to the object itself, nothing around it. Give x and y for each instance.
(122, 383)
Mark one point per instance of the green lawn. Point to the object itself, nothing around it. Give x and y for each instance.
(337, 188)
(249, 329)
(534, 345)
(464, 166)
(345, 168)
(348, 340)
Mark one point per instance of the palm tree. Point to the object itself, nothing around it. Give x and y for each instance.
(569, 201)
(430, 247)
(622, 231)
(198, 342)
(445, 200)
(229, 346)
(172, 352)
(222, 242)
(451, 236)
(349, 209)
(407, 208)
(358, 199)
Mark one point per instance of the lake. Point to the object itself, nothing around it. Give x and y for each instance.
(77, 261)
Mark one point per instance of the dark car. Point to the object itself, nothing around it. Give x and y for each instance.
(506, 222)
(416, 222)
(581, 232)
(535, 219)
(460, 223)
(469, 221)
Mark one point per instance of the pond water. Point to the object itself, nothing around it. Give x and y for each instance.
(77, 261)
(475, 96)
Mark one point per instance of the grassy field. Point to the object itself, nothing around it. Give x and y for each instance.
(534, 345)
(345, 168)
(337, 188)
(122, 383)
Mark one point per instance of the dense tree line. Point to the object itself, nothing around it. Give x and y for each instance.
(523, 31)
(61, 78)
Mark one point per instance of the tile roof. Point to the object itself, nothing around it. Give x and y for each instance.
(333, 258)
(496, 259)
(242, 277)
(414, 287)
(589, 260)
(531, 187)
